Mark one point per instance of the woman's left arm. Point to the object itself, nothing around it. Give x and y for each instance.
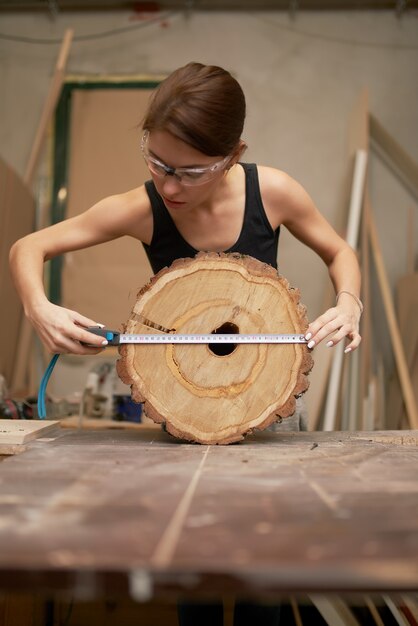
(288, 203)
(343, 319)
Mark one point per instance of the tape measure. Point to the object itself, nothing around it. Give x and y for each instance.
(115, 338)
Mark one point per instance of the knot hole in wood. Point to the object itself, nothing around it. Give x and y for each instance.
(223, 349)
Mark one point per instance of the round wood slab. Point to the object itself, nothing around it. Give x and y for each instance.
(216, 393)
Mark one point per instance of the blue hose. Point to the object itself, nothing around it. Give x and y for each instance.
(42, 387)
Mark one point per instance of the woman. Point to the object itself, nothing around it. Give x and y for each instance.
(200, 198)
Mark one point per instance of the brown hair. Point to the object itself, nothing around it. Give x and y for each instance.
(202, 105)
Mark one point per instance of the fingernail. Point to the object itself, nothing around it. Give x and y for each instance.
(347, 350)
(308, 336)
(100, 325)
(330, 344)
(105, 342)
(311, 344)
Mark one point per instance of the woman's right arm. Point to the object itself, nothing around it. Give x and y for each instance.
(60, 329)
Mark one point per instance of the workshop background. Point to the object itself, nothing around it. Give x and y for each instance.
(326, 82)
(302, 71)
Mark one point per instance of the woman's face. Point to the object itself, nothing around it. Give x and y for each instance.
(175, 153)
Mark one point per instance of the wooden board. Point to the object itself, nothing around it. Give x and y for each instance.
(404, 374)
(102, 423)
(17, 211)
(18, 432)
(407, 306)
(137, 512)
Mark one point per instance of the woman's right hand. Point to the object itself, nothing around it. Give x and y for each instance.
(62, 330)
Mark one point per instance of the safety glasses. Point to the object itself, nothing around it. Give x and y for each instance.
(185, 175)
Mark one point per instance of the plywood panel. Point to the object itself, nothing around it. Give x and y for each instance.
(17, 214)
(16, 432)
(102, 282)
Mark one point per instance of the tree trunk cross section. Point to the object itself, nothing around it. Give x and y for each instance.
(217, 393)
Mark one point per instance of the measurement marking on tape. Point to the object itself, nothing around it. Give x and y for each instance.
(221, 338)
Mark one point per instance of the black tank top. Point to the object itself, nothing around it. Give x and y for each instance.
(257, 237)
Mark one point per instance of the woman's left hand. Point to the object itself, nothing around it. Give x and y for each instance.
(340, 321)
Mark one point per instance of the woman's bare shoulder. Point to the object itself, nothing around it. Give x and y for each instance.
(133, 201)
(275, 181)
(282, 195)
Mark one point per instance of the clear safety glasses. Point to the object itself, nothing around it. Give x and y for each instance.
(185, 175)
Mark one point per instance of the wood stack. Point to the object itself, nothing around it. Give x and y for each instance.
(357, 394)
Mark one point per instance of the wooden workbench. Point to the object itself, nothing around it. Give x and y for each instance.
(139, 512)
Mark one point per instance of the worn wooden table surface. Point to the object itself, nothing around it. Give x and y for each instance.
(139, 512)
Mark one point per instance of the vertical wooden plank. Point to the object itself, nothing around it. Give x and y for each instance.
(397, 615)
(394, 332)
(406, 308)
(394, 155)
(410, 607)
(359, 179)
(334, 611)
(373, 610)
(351, 419)
(319, 376)
(410, 239)
(49, 107)
(365, 324)
(22, 360)
(359, 140)
(359, 131)
(295, 611)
